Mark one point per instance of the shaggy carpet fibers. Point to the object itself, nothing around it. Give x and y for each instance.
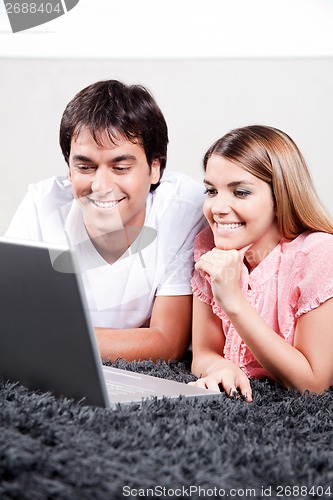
(278, 446)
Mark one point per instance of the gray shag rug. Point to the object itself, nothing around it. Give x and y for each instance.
(278, 446)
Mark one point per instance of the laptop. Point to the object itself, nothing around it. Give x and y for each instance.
(47, 340)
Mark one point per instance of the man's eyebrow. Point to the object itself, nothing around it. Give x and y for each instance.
(120, 158)
(116, 159)
(81, 158)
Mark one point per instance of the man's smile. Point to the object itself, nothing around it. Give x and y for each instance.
(105, 204)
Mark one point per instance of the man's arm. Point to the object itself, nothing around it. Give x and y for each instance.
(167, 337)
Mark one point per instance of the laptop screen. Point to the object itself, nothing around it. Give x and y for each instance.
(46, 340)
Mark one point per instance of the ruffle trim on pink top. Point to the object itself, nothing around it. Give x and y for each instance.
(199, 293)
(235, 349)
(316, 302)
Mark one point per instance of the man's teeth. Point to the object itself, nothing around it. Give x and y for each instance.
(105, 204)
(229, 226)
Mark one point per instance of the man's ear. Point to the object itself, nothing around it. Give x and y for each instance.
(155, 170)
(69, 175)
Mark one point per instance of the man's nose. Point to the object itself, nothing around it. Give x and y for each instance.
(103, 181)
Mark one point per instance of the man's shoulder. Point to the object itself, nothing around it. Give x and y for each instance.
(181, 186)
(56, 188)
(176, 206)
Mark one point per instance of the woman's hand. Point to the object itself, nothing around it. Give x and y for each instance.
(231, 378)
(224, 268)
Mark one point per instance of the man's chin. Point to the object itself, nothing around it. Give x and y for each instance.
(100, 225)
(102, 231)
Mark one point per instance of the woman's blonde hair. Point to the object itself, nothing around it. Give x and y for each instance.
(272, 156)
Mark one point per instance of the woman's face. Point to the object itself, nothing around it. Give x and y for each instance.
(240, 209)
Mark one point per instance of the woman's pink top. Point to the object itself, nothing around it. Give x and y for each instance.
(296, 277)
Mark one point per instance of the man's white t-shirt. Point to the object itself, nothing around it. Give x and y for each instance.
(158, 263)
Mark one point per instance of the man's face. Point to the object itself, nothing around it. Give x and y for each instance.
(110, 182)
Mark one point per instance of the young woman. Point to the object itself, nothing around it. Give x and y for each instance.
(263, 280)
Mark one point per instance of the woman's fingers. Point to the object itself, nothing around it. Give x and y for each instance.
(232, 385)
(207, 383)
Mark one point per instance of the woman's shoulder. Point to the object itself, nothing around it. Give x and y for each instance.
(309, 257)
(312, 271)
(308, 242)
(204, 241)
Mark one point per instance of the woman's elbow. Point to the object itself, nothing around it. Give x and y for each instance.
(314, 386)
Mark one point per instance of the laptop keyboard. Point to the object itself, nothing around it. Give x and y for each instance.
(115, 389)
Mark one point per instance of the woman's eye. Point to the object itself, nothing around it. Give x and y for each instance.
(210, 191)
(241, 193)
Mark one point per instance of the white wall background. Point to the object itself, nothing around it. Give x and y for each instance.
(179, 28)
(211, 65)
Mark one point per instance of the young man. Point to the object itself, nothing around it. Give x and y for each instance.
(132, 226)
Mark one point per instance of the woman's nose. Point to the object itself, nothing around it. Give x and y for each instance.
(221, 205)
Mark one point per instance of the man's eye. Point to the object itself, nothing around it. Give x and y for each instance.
(120, 168)
(84, 168)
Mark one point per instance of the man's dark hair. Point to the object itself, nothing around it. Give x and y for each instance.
(114, 108)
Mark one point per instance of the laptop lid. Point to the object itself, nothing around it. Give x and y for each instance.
(46, 338)
(47, 341)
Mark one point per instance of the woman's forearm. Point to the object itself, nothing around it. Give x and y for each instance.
(205, 361)
(282, 361)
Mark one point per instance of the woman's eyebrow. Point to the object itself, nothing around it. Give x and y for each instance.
(237, 183)
(231, 184)
(206, 181)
